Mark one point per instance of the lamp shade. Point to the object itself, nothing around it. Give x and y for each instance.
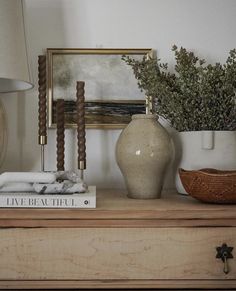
(14, 72)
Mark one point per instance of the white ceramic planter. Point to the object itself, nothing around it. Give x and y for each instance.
(143, 152)
(204, 149)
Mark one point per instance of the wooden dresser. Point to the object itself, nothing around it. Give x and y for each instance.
(123, 243)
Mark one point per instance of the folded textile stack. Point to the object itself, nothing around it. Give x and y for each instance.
(65, 182)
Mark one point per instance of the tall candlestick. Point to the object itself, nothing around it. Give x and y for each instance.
(81, 127)
(42, 104)
(60, 118)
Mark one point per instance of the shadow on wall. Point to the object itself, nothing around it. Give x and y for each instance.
(12, 150)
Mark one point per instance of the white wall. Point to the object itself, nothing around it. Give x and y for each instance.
(206, 26)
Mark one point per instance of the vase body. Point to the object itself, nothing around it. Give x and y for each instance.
(204, 149)
(143, 152)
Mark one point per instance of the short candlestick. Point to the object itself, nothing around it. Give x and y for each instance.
(60, 118)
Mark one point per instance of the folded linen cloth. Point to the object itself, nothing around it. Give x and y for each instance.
(42, 182)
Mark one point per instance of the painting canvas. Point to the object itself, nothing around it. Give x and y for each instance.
(112, 95)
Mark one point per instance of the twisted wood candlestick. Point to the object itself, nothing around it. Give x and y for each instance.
(60, 119)
(81, 126)
(42, 105)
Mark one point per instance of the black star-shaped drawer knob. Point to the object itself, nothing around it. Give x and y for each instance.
(224, 253)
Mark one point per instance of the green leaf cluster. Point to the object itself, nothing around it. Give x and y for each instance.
(195, 96)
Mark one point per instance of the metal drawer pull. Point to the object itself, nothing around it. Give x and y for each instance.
(224, 253)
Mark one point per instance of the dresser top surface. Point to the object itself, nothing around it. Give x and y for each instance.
(114, 204)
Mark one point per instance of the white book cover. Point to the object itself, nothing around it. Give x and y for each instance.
(34, 200)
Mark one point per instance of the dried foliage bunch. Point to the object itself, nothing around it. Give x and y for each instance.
(196, 96)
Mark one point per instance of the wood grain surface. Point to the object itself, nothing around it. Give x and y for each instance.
(114, 254)
(114, 205)
(123, 243)
(159, 285)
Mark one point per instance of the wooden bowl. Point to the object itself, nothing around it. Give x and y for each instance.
(210, 185)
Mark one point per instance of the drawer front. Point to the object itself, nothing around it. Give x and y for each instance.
(115, 253)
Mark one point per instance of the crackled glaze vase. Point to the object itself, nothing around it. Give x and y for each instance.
(143, 152)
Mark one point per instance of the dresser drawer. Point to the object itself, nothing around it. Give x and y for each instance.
(114, 253)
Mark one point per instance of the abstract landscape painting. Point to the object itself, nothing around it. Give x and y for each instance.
(111, 92)
(114, 114)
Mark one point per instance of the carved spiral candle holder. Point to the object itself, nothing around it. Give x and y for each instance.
(42, 121)
(81, 125)
(42, 104)
(60, 118)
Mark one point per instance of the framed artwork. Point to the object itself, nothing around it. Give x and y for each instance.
(112, 95)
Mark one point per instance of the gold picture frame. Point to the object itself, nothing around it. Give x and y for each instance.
(111, 91)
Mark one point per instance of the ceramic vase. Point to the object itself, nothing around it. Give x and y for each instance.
(204, 149)
(143, 152)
